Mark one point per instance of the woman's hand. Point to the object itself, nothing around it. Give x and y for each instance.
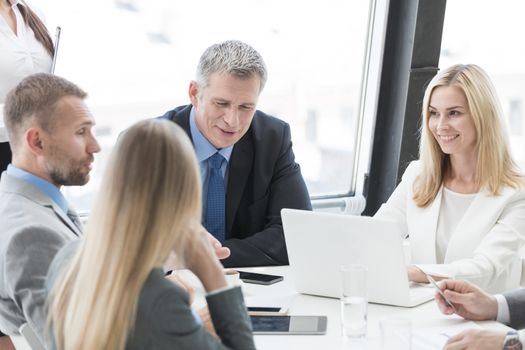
(204, 314)
(6, 344)
(172, 263)
(416, 275)
(201, 259)
(183, 284)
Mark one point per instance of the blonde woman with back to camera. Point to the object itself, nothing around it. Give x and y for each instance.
(108, 291)
(462, 203)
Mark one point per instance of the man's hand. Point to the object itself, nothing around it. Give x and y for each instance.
(220, 251)
(474, 339)
(470, 301)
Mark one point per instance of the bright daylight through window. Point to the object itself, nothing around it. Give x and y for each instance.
(135, 58)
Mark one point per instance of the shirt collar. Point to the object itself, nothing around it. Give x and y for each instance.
(48, 188)
(203, 148)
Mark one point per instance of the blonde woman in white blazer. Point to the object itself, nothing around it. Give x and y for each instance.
(463, 202)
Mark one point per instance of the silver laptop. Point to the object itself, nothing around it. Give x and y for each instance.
(319, 243)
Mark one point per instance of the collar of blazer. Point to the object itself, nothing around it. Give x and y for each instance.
(478, 220)
(240, 166)
(10, 184)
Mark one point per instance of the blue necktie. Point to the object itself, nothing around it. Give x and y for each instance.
(216, 199)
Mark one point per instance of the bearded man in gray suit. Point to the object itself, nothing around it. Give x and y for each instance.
(50, 133)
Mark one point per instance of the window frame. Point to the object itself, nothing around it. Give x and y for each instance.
(411, 58)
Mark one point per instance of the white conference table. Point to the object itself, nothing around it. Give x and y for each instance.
(427, 321)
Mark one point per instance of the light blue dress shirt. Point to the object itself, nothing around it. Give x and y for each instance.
(204, 150)
(48, 188)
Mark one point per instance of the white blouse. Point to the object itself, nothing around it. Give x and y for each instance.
(484, 246)
(453, 207)
(21, 55)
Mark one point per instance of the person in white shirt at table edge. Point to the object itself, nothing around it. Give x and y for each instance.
(462, 203)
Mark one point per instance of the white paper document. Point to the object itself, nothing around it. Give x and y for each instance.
(433, 334)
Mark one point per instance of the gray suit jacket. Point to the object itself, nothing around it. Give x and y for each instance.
(165, 319)
(33, 228)
(516, 300)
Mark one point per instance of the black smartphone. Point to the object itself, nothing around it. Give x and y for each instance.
(259, 278)
(267, 310)
(289, 324)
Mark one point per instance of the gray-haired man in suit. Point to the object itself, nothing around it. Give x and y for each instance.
(472, 303)
(50, 133)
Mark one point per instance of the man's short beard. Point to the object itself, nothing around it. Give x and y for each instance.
(71, 177)
(66, 171)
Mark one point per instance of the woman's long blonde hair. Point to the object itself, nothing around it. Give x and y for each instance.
(149, 195)
(495, 166)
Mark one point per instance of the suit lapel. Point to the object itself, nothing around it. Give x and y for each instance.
(423, 232)
(181, 117)
(240, 166)
(25, 189)
(183, 120)
(65, 219)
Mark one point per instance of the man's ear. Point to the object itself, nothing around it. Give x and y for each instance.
(33, 139)
(193, 91)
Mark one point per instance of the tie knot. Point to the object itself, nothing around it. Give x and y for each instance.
(73, 216)
(216, 160)
(72, 213)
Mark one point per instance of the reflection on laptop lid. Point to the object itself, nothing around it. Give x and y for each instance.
(319, 243)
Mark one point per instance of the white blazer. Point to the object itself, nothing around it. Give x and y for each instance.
(485, 246)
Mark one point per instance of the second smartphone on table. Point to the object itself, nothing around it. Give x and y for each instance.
(259, 278)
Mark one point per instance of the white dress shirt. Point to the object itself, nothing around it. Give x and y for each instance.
(22, 55)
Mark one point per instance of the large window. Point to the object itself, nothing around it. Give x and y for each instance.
(135, 59)
(492, 37)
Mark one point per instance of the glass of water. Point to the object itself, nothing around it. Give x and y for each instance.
(354, 302)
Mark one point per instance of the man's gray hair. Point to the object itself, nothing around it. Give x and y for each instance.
(33, 102)
(231, 57)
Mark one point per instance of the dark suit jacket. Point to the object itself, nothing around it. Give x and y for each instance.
(516, 301)
(263, 179)
(164, 318)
